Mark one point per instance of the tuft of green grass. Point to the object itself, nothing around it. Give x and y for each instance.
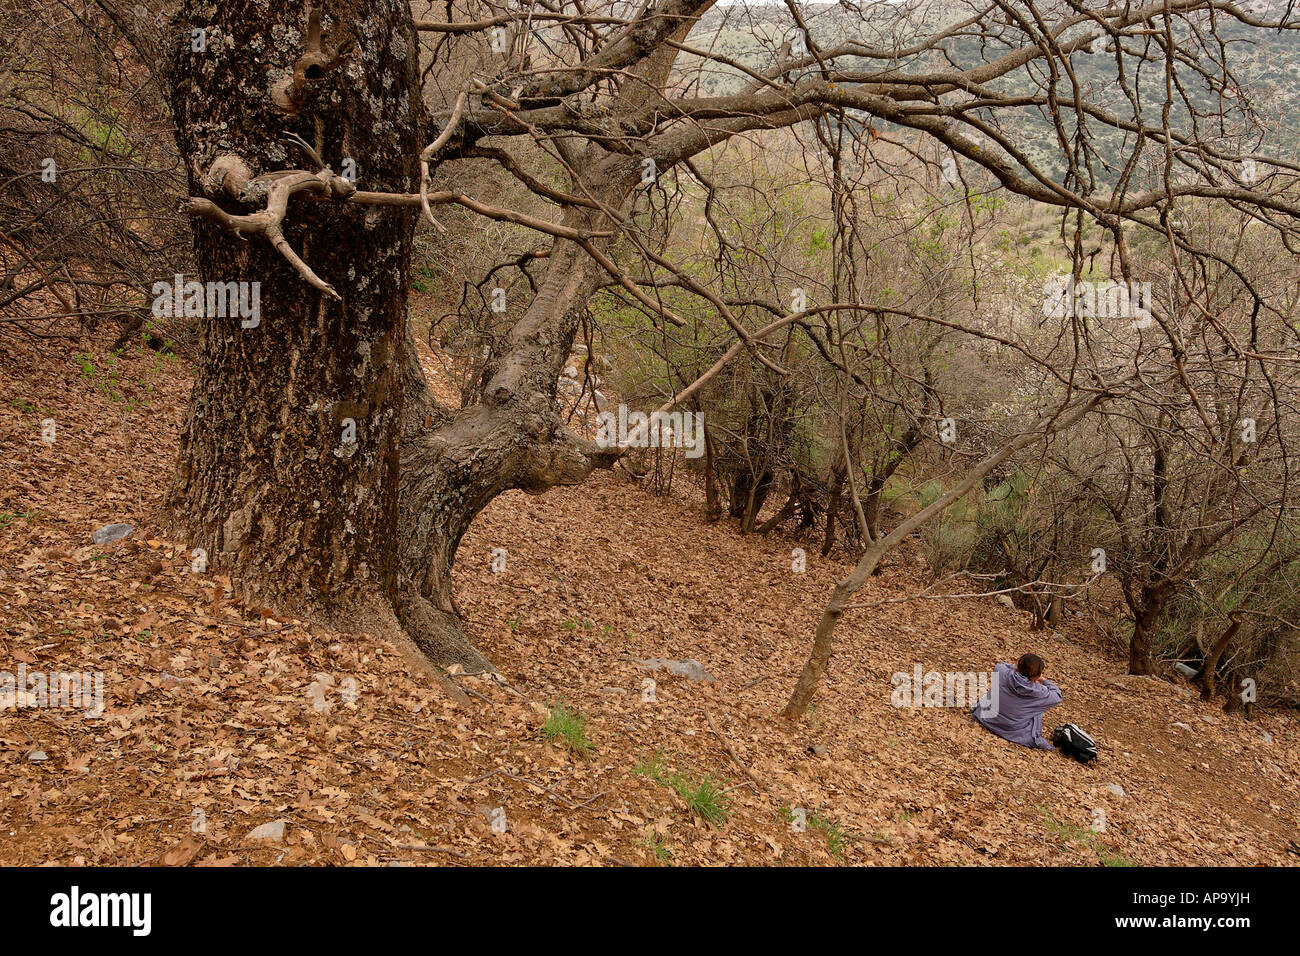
(654, 768)
(569, 727)
(6, 518)
(1113, 859)
(1086, 837)
(1069, 831)
(705, 798)
(658, 847)
(837, 835)
(111, 381)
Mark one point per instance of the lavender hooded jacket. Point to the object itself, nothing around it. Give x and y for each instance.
(1015, 711)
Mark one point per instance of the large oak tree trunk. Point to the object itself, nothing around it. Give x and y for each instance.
(269, 482)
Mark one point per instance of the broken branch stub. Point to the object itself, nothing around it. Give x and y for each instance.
(268, 222)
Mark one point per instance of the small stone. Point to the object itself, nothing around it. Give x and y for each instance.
(273, 831)
(1268, 738)
(1005, 601)
(1182, 726)
(688, 668)
(1115, 789)
(37, 756)
(111, 532)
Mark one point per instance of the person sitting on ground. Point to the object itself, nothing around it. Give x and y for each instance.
(1015, 705)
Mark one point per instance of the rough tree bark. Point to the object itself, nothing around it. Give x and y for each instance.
(267, 482)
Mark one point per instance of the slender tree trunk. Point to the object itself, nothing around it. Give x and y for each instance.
(787, 510)
(1056, 610)
(1206, 676)
(837, 488)
(1145, 625)
(871, 510)
(712, 506)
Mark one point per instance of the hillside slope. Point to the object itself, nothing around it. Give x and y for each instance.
(212, 726)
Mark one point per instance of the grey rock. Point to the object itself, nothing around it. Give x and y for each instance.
(37, 756)
(1115, 789)
(1182, 726)
(1005, 601)
(1188, 672)
(273, 831)
(1268, 738)
(111, 532)
(688, 668)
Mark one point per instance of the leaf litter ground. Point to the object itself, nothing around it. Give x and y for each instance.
(219, 721)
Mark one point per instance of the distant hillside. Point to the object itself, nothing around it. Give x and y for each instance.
(1267, 63)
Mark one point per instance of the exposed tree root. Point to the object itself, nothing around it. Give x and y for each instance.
(440, 636)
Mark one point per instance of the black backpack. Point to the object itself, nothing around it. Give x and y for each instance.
(1075, 743)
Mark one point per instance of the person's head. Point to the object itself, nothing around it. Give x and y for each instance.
(1030, 666)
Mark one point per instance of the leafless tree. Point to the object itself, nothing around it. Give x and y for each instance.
(322, 135)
